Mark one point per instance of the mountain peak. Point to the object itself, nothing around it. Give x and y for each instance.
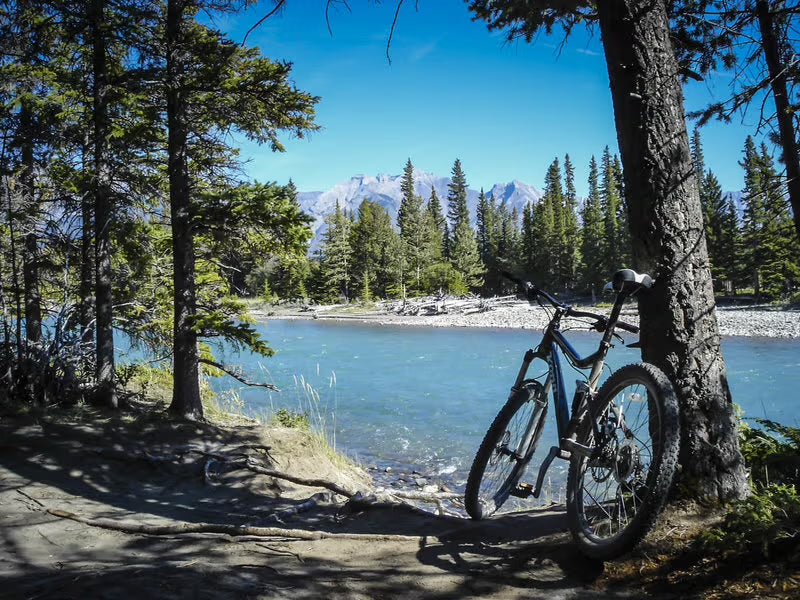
(385, 190)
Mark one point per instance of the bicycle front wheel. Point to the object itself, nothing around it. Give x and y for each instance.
(506, 450)
(615, 495)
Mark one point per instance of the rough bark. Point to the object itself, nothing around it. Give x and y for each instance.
(785, 114)
(30, 245)
(679, 328)
(85, 290)
(186, 389)
(102, 210)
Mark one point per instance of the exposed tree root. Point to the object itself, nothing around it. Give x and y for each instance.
(183, 527)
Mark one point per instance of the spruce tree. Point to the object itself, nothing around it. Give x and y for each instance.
(528, 239)
(570, 256)
(372, 242)
(593, 265)
(413, 230)
(462, 246)
(769, 251)
(337, 261)
(484, 227)
(609, 194)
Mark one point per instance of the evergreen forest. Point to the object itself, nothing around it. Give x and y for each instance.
(564, 243)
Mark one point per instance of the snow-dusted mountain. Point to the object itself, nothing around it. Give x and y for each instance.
(385, 190)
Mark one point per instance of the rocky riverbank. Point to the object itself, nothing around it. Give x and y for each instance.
(752, 321)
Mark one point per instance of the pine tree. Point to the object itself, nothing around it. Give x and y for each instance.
(769, 251)
(408, 198)
(544, 242)
(552, 246)
(372, 241)
(528, 239)
(570, 256)
(337, 261)
(485, 226)
(728, 260)
(440, 223)
(457, 211)
(609, 194)
(593, 266)
(462, 246)
(414, 233)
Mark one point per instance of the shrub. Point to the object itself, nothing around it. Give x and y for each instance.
(292, 419)
(769, 517)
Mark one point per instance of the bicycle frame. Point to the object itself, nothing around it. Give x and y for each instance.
(567, 420)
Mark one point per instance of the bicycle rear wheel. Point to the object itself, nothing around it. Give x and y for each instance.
(506, 450)
(615, 495)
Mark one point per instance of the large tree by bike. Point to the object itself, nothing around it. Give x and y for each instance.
(679, 329)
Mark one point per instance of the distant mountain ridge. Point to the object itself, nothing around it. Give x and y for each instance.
(385, 190)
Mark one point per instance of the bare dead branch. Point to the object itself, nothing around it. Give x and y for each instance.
(236, 375)
(278, 6)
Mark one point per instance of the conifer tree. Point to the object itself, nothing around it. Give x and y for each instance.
(769, 251)
(462, 246)
(730, 243)
(529, 239)
(543, 244)
(593, 266)
(336, 254)
(570, 256)
(414, 233)
(484, 227)
(372, 243)
(457, 211)
(212, 86)
(408, 199)
(609, 194)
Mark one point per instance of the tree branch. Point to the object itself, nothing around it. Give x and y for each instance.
(278, 6)
(236, 376)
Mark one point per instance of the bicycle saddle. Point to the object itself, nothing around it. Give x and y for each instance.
(628, 281)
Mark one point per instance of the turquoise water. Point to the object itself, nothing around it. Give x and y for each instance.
(418, 398)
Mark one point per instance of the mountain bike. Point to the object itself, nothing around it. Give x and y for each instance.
(621, 440)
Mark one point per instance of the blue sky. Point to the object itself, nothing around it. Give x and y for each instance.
(453, 90)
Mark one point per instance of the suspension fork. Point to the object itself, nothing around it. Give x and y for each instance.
(524, 443)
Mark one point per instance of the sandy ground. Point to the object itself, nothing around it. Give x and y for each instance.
(133, 472)
(225, 532)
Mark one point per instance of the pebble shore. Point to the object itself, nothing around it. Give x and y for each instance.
(758, 321)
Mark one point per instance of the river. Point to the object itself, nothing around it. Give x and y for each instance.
(421, 399)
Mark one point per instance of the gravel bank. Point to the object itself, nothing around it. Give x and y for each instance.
(757, 321)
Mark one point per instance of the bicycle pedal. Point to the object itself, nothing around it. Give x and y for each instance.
(523, 490)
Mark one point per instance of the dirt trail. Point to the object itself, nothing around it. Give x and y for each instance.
(111, 468)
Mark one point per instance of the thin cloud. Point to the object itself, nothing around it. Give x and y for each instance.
(421, 51)
(588, 52)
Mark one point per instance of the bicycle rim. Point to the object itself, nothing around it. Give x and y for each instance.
(503, 454)
(616, 494)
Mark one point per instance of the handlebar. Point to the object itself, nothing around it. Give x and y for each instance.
(533, 293)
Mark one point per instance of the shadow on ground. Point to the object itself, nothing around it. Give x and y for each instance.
(110, 468)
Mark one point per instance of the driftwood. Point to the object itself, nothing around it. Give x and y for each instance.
(441, 304)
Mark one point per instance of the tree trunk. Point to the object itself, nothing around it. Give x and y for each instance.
(786, 125)
(30, 245)
(102, 211)
(679, 328)
(85, 289)
(186, 389)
